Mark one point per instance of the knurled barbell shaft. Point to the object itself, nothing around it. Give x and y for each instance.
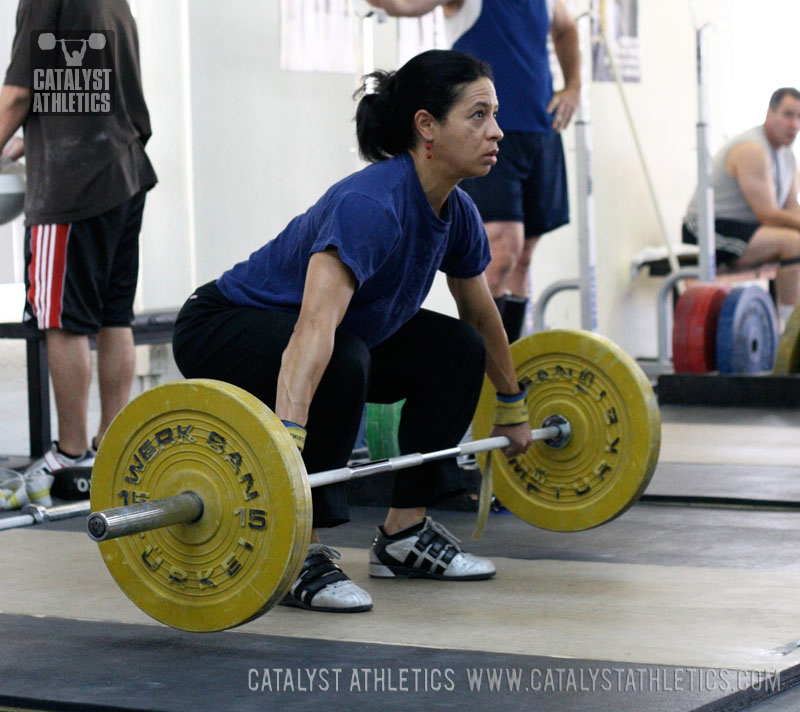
(188, 507)
(400, 462)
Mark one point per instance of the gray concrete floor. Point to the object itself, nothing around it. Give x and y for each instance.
(742, 450)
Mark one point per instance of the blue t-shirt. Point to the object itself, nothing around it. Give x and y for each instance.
(386, 231)
(511, 35)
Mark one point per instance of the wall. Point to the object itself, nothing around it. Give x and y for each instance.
(240, 146)
(167, 244)
(664, 112)
(267, 143)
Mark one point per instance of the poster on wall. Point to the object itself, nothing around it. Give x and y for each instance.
(318, 36)
(619, 19)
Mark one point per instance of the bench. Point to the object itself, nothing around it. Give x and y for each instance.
(148, 328)
(655, 262)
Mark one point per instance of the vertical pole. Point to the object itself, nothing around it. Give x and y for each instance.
(365, 52)
(587, 247)
(188, 140)
(38, 393)
(705, 187)
(367, 45)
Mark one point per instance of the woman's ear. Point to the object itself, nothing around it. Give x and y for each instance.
(424, 123)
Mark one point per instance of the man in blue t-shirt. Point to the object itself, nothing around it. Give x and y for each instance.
(525, 195)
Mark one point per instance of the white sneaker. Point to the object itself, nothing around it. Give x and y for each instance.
(39, 475)
(323, 586)
(432, 552)
(12, 490)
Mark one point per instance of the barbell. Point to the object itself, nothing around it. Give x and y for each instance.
(188, 507)
(215, 516)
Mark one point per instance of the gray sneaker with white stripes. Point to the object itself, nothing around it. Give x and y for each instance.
(430, 552)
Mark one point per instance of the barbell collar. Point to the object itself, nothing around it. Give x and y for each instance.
(565, 431)
(37, 511)
(183, 508)
(66, 511)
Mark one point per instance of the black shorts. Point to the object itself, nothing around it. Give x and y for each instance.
(730, 240)
(528, 184)
(82, 276)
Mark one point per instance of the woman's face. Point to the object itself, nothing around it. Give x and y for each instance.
(465, 142)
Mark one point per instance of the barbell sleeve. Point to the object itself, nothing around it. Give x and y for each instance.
(144, 516)
(187, 507)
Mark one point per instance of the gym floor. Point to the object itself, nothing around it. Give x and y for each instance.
(672, 606)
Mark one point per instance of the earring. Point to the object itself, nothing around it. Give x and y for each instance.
(429, 154)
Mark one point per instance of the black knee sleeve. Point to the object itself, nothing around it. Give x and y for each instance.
(500, 302)
(513, 316)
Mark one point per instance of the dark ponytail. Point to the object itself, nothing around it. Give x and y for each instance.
(388, 102)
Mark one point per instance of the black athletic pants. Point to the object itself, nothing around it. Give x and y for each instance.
(435, 362)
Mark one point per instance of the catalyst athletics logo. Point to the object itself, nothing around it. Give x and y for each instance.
(72, 73)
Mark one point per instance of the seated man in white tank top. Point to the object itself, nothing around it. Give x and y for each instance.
(757, 216)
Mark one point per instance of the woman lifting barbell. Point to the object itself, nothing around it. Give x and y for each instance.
(327, 316)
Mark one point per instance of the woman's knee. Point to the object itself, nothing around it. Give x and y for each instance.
(349, 365)
(467, 347)
(184, 347)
